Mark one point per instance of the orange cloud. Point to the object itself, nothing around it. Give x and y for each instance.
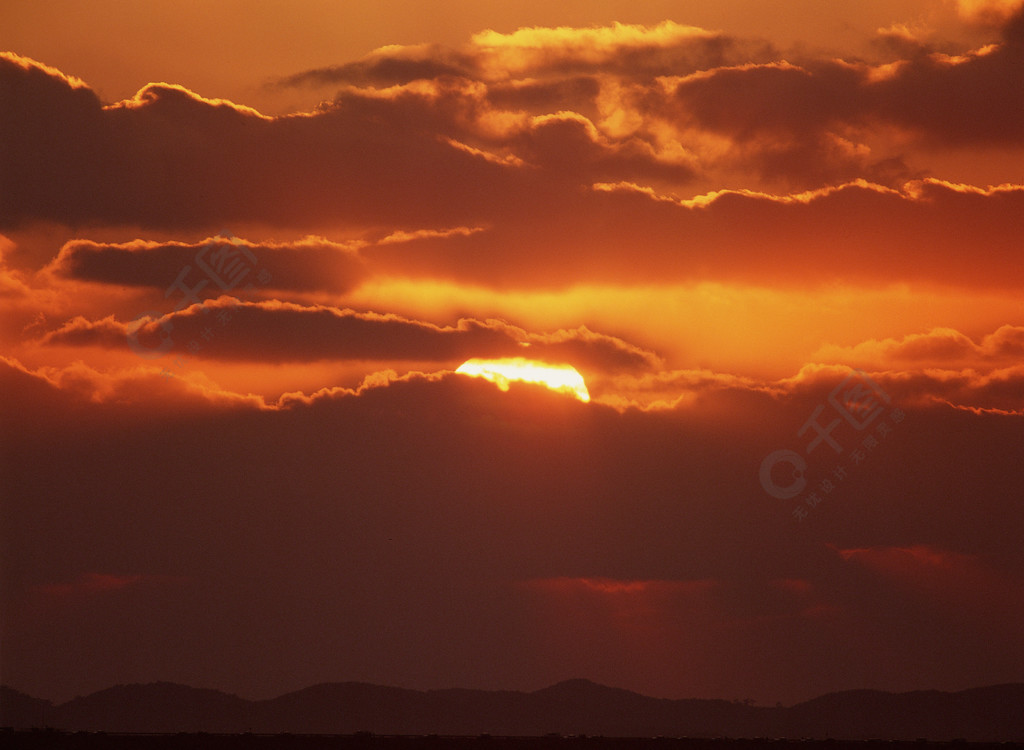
(940, 347)
(991, 12)
(544, 52)
(153, 387)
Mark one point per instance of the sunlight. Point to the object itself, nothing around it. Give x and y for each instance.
(563, 378)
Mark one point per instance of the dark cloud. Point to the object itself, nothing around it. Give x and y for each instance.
(856, 233)
(571, 148)
(383, 69)
(309, 265)
(483, 149)
(169, 158)
(546, 54)
(285, 332)
(807, 124)
(40, 109)
(576, 93)
(901, 42)
(974, 98)
(930, 231)
(352, 524)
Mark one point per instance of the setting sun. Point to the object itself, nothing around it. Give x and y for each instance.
(563, 378)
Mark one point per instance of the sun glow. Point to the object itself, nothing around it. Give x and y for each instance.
(501, 372)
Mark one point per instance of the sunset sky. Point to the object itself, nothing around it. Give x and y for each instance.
(244, 248)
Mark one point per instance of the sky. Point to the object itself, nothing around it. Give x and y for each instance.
(245, 248)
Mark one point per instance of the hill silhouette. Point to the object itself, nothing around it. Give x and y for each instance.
(154, 707)
(573, 707)
(20, 710)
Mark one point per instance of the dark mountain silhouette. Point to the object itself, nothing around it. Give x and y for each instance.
(20, 710)
(988, 714)
(868, 713)
(156, 707)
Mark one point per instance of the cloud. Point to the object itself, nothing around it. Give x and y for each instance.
(571, 146)
(945, 578)
(387, 66)
(807, 123)
(334, 517)
(631, 51)
(450, 151)
(908, 41)
(915, 235)
(404, 236)
(308, 265)
(286, 332)
(951, 100)
(940, 347)
(577, 93)
(989, 12)
(622, 49)
(995, 389)
(15, 286)
(390, 158)
(169, 158)
(998, 389)
(671, 389)
(942, 366)
(54, 392)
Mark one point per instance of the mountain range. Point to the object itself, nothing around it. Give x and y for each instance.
(573, 707)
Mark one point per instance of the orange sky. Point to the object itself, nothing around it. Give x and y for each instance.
(242, 253)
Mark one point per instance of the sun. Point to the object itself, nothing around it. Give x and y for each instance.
(501, 372)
